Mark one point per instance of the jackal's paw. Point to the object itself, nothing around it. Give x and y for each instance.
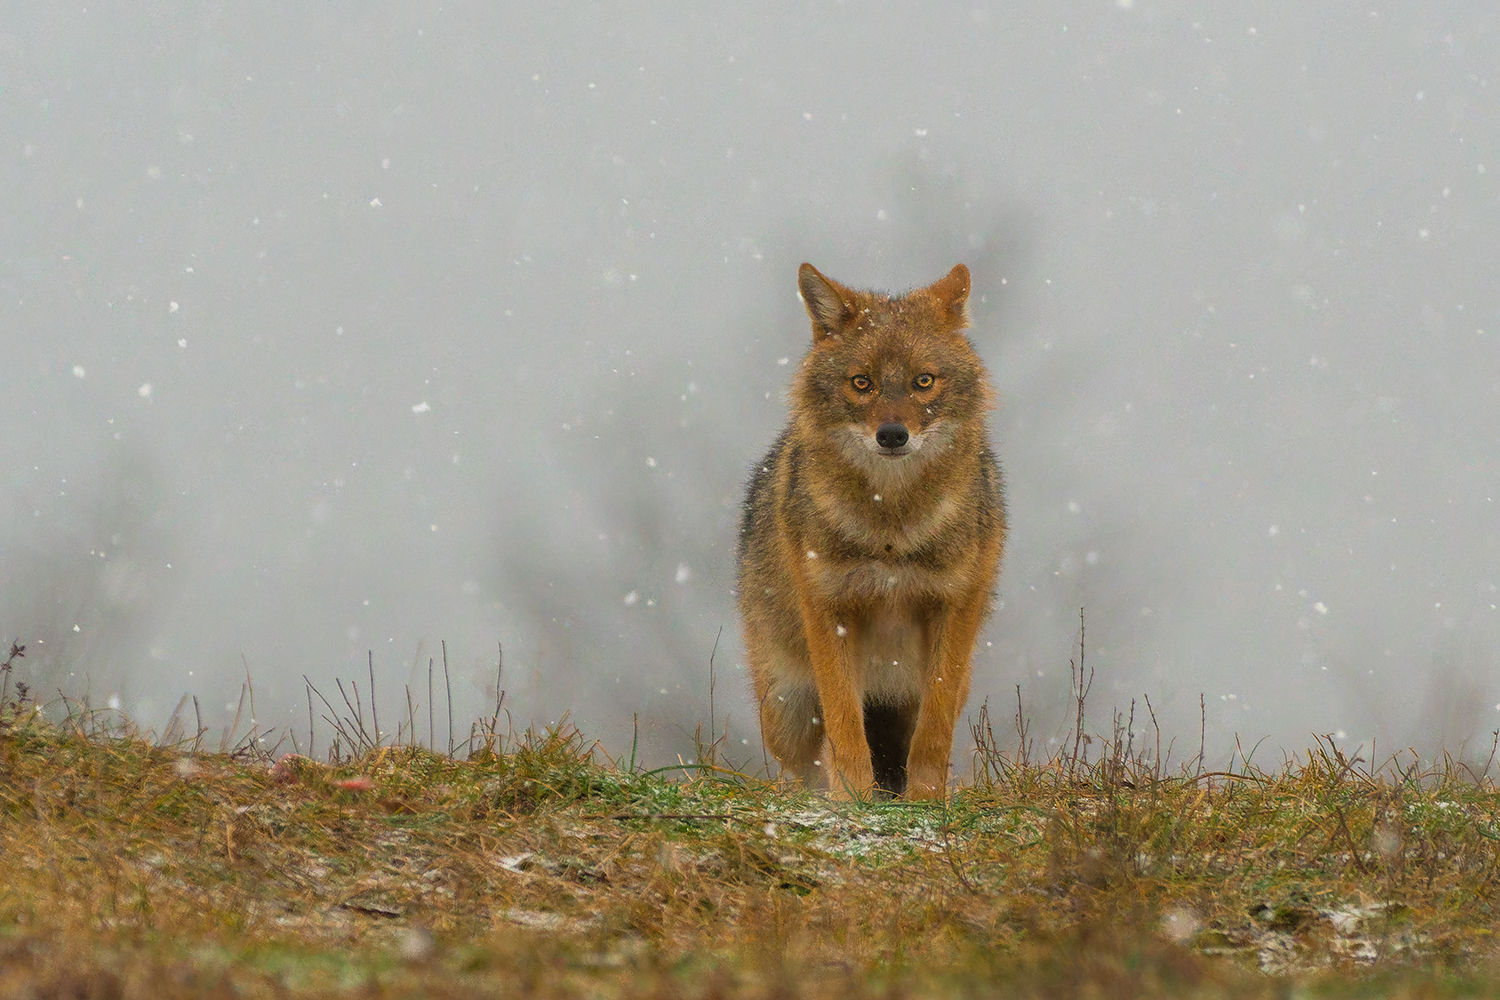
(925, 785)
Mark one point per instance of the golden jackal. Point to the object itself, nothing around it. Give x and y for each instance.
(871, 540)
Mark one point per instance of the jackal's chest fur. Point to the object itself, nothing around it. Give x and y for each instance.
(887, 551)
(890, 651)
(888, 582)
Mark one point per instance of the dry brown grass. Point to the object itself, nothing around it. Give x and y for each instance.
(538, 866)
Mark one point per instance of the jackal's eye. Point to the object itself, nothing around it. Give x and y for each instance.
(922, 381)
(861, 383)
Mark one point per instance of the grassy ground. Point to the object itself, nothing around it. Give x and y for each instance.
(537, 866)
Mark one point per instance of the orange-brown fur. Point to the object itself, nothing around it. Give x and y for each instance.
(865, 572)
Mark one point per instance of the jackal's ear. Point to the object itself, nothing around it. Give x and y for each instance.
(829, 304)
(952, 295)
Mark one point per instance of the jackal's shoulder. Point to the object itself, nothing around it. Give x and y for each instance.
(758, 511)
(991, 493)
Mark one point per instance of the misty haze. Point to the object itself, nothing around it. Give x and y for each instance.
(330, 335)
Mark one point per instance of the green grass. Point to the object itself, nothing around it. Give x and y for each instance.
(536, 865)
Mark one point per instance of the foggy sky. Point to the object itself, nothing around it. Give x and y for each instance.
(340, 332)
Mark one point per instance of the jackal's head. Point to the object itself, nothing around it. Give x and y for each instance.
(892, 379)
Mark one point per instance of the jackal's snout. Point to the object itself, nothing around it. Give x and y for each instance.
(892, 436)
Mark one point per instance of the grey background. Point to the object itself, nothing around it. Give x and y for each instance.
(341, 331)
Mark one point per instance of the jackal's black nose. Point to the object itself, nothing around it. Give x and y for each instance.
(891, 435)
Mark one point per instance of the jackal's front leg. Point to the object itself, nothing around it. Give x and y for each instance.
(846, 752)
(945, 689)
